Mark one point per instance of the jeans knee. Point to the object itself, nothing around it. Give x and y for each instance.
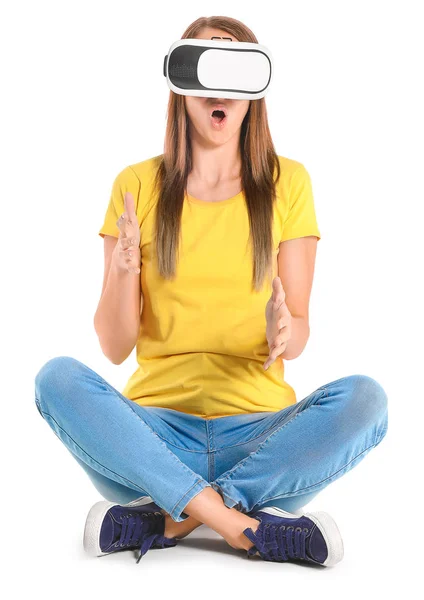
(371, 399)
(55, 374)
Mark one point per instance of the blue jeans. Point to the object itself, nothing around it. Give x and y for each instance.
(252, 460)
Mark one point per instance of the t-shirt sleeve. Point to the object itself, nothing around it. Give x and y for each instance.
(301, 218)
(125, 181)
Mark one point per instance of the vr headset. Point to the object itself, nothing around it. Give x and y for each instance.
(218, 69)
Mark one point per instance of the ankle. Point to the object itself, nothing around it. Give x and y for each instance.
(235, 537)
(209, 506)
(179, 529)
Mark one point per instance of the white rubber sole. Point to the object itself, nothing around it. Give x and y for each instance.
(93, 523)
(327, 526)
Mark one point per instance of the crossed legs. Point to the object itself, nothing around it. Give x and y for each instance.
(208, 507)
(313, 443)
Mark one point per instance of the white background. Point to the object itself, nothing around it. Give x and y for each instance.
(83, 96)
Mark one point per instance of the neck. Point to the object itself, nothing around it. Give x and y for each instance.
(213, 164)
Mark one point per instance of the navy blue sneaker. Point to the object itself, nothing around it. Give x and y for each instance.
(112, 527)
(282, 536)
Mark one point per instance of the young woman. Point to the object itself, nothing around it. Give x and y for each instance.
(209, 260)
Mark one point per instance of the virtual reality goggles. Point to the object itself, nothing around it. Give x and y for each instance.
(218, 69)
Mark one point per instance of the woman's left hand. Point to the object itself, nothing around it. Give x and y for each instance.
(278, 322)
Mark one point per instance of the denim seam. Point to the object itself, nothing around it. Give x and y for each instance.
(380, 435)
(209, 439)
(180, 447)
(87, 454)
(291, 494)
(243, 443)
(112, 389)
(377, 440)
(133, 412)
(209, 450)
(232, 499)
(195, 484)
(124, 402)
(221, 492)
(259, 448)
(272, 426)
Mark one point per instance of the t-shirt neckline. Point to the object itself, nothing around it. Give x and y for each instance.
(194, 200)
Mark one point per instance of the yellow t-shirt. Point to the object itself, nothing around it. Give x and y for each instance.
(202, 342)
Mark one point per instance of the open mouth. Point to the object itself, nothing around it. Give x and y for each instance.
(218, 115)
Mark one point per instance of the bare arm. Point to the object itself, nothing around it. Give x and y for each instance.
(117, 318)
(296, 265)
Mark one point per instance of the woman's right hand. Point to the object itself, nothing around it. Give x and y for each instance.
(127, 254)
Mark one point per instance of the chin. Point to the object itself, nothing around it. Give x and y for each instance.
(219, 140)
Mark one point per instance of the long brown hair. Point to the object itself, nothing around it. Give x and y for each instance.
(259, 161)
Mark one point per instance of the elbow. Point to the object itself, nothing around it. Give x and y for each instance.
(115, 354)
(295, 350)
(117, 350)
(293, 355)
(115, 359)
